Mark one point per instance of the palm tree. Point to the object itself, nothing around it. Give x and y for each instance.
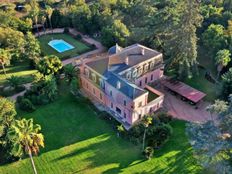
(4, 59)
(222, 59)
(14, 81)
(43, 20)
(146, 122)
(70, 72)
(120, 129)
(26, 139)
(49, 12)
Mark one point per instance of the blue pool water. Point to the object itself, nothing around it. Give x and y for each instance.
(60, 45)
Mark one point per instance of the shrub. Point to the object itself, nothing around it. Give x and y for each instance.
(66, 30)
(26, 105)
(148, 152)
(93, 46)
(78, 37)
(164, 117)
(159, 135)
(19, 89)
(136, 131)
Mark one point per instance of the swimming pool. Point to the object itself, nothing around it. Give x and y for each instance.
(60, 45)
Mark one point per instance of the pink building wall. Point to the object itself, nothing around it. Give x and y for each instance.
(157, 74)
(132, 112)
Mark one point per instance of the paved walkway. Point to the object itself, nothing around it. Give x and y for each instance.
(184, 111)
(27, 86)
(99, 49)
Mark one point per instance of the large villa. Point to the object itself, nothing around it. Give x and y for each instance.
(120, 81)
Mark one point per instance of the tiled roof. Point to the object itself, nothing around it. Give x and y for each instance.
(99, 66)
(119, 61)
(127, 88)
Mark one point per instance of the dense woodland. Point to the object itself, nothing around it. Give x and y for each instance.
(180, 29)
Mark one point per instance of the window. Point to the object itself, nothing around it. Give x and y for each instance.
(87, 85)
(102, 84)
(140, 71)
(124, 102)
(100, 96)
(146, 68)
(146, 80)
(93, 90)
(94, 77)
(112, 105)
(128, 75)
(151, 65)
(140, 116)
(140, 83)
(152, 77)
(111, 93)
(140, 104)
(124, 115)
(135, 73)
(86, 72)
(118, 110)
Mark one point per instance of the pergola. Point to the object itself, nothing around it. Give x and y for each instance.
(184, 90)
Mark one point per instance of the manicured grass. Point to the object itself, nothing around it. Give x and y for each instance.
(151, 96)
(21, 69)
(80, 47)
(77, 141)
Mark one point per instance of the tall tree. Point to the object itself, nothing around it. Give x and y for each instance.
(32, 48)
(222, 59)
(7, 114)
(115, 33)
(49, 65)
(13, 41)
(175, 25)
(227, 83)
(147, 120)
(214, 38)
(5, 58)
(49, 12)
(43, 20)
(26, 139)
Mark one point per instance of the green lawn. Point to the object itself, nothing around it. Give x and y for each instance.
(21, 69)
(80, 47)
(77, 141)
(151, 96)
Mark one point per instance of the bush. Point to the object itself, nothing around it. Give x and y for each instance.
(19, 89)
(159, 135)
(66, 30)
(136, 132)
(164, 117)
(78, 37)
(148, 152)
(26, 105)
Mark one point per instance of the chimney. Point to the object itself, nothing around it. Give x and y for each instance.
(127, 60)
(143, 51)
(118, 85)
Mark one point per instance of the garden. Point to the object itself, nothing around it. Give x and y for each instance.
(83, 142)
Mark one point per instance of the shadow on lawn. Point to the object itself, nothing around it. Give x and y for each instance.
(105, 154)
